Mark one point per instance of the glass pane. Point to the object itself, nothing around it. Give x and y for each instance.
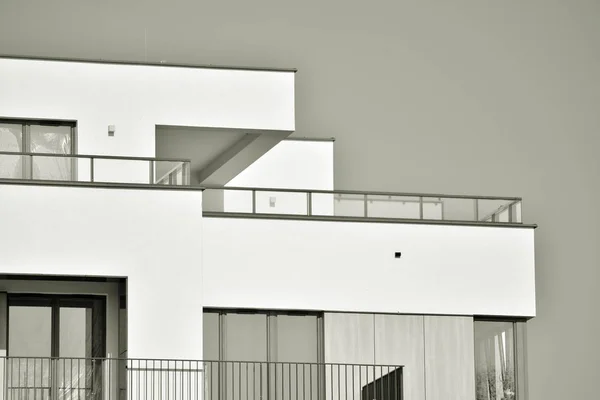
(246, 337)
(213, 200)
(322, 204)
(52, 168)
(29, 331)
(246, 340)
(122, 171)
(349, 205)
(50, 139)
(11, 139)
(297, 342)
(210, 327)
(274, 202)
(492, 210)
(29, 335)
(169, 173)
(297, 338)
(494, 360)
(433, 208)
(452, 209)
(75, 332)
(75, 342)
(53, 140)
(237, 201)
(393, 207)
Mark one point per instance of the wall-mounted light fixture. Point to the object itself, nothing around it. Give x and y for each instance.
(111, 130)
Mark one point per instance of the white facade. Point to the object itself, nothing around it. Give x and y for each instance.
(350, 267)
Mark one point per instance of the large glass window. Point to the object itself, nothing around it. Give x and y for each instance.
(42, 137)
(43, 327)
(495, 366)
(261, 354)
(261, 336)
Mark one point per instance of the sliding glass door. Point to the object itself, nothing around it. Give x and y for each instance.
(55, 346)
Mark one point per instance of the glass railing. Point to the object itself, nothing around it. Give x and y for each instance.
(355, 204)
(94, 168)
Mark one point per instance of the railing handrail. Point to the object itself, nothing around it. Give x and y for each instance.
(95, 156)
(173, 360)
(362, 192)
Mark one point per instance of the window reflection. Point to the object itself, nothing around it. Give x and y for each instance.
(495, 360)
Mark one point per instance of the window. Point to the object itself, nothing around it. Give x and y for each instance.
(261, 336)
(497, 359)
(41, 137)
(262, 355)
(44, 327)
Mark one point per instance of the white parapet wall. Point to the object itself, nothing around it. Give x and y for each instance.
(149, 236)
(351, 267)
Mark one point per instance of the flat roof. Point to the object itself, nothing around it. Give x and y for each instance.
(146, 63)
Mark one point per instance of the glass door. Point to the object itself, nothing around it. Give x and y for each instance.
(56, 347)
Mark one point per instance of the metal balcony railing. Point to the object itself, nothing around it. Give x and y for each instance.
(362, 205)
(94, 168)
(46, 378)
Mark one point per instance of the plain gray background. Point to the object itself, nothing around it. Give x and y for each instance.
(473, 97)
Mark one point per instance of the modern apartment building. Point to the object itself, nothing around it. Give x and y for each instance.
(164, 238)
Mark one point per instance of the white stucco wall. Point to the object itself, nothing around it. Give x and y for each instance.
(350, 266)
(151, 237)
(136, 98)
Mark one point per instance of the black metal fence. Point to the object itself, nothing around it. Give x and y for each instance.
(45, 378)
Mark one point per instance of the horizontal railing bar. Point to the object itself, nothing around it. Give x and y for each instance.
(98, 184)
(95, 156)
(358, 192)
(185, 362)
(166, 369)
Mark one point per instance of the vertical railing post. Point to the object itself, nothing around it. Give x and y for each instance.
(476, 209)
(253, 201)
(511, 210)
(309, 203)
(420, 207)
(366, 213)
(151, 179)
(91, 169)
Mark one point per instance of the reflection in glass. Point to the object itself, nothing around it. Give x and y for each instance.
(495, 360)
(75, 343)
(11, 139)
(54, 140)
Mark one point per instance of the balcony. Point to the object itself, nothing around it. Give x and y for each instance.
(371, 252)
(360, 206)
(94, 169)
(120, 379)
